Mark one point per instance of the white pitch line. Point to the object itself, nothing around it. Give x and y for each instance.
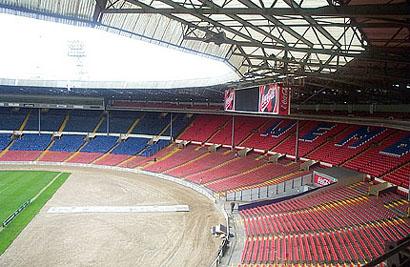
(118, 209)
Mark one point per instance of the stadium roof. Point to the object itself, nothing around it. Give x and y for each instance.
(355, 42)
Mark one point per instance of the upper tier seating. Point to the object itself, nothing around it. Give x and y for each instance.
(180, 122)
(119, 121)
(10, 120)
(154, 148)
(100, 144)
(32, 142)
(52, 119)
(152, 123)
(203, 127)
(337, 226)
(32, 122)
(4, 141)
(82, 121)
(68, 142)
(131, 146)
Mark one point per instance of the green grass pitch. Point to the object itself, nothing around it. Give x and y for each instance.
(16, 187)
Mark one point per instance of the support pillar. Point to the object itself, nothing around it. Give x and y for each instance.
(233, 133)
(297, 141)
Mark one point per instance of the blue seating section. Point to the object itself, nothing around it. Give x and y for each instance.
(178, 126)
(131, 147)
(82, 121)
(70, 143)
(32, 142)
(52, 120)
(119, 122)
(363, 134)
(279, 131)
(399, 149)
(4, 141)
(32, 122)
(320, 129)
(151, 124)
(152, 149)
(100, 144)
(11, 120)
(271, 128)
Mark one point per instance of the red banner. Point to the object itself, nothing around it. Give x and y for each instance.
(323, 181)
(274, 98)
(229, 100)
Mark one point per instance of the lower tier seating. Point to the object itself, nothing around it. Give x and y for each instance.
(111, 159)
(338, 226)
(19, 155)
(84, 157)
(55, 156)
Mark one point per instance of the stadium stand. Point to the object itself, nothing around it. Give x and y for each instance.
(209, 160)
(19, 155)
(4, 141)
(100, 144)
(399, 176)
(31, 142)
(52, 119)
(82, 121)
(338, 226)
(111, 159)
(83, 157)
(174, 158)
(119, 121)
(68, 142)
(131, 146)
(11, 120)
(55, 156)
(203, 127)
(152, 123)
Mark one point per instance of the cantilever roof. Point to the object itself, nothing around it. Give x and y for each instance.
(260, 39)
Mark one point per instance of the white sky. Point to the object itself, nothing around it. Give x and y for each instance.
(36, 49)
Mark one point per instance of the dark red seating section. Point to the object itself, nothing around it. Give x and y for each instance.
(339, 154)
(258, 175)
(231, 167)
(338, 226)
(243, 127)
(399, 176)
(377, 164)
(268, 142)
(175, 158)
(203, 127)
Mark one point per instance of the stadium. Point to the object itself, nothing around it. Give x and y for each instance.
(242, 133)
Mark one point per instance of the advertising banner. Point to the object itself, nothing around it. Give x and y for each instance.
(230, 100)
(323, 181)
(274, 98)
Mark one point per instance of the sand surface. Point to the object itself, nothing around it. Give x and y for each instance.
(120, 239)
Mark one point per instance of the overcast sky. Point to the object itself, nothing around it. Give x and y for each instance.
(36, 49)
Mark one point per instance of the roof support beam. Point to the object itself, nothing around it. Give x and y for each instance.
(373, 11)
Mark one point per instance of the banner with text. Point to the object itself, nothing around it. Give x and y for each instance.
(230, 100)
(274, 98)
(323, 181)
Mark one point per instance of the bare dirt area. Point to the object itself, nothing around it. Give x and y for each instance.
(116, 239)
